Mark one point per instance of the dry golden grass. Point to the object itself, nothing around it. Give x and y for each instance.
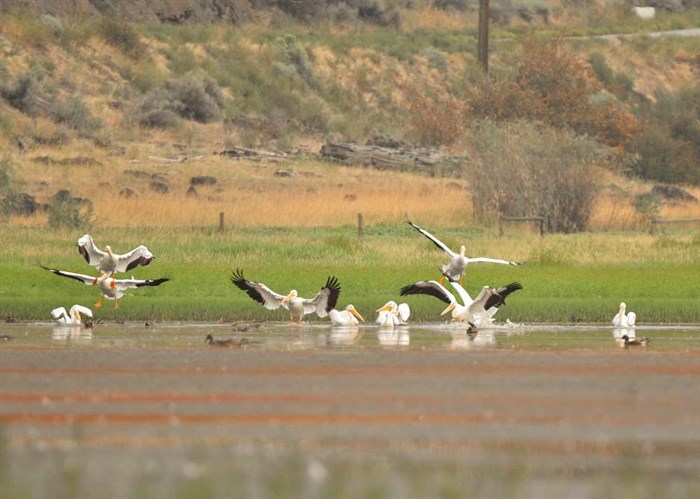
(250, 194)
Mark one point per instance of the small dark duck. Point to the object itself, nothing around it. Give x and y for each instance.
(626, 342)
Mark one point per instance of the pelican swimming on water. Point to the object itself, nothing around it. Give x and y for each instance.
(107, 262)
(321, 304)
(457, 266)
(475, 311)
(393, 314)
(71, 318)
(624, 320)
(349, 316)
(112, 289)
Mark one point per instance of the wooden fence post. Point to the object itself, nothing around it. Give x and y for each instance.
(221, 221)
(360, 226)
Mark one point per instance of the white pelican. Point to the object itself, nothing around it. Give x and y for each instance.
(476, 311)
(108, 262)
(392, 314)
(457, 266)
(298, 307)
(71, 318)
(112, 289)
(347, 317)
(624, 320)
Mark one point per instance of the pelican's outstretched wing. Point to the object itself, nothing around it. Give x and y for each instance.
(88, 280)
(492, 260)
(325, 300)
(136, 283)
(434, 239)
(59, 312)
(497, 296)
(258, 291)
(95, 256)
(432, 288)
(92, 254)
(404, 312)
(137, 256)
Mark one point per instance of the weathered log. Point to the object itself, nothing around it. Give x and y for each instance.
(431, 161)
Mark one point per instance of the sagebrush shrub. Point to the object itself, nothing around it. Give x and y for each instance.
(523, 169)
(192, 97)
(68, 211)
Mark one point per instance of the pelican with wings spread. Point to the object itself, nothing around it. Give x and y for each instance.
(321, 304)
(457, 266)
(112, 289)
(478, 311)
(107, 262)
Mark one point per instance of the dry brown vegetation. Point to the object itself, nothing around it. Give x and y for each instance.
(417, 95)
(250, 194)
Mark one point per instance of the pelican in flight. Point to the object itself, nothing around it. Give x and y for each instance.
(349, 316)
(112, 289)
(624, 320)
(393, 314)
(108, 262)
(298, 307)
(475, 311)
(457, 266)
(71, 318)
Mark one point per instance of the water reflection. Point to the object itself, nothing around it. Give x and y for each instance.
(62, 332)
(343, 335)
(390, 336)
(619, 332)
(279, 335)
(461, 340)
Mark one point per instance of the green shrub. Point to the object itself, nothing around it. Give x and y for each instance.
(191, 97)
(668, 149)
(122, 36)
(26, 94)
(70, 212)
(74, 113)
(289, 50)
(7, 172)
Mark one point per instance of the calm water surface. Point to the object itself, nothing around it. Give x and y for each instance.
(151, 410)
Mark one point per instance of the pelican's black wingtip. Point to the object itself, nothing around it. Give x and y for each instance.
(237, 276)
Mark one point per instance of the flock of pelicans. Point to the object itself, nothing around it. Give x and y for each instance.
(476, 313)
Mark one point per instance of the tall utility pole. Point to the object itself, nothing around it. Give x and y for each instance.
(483, 49)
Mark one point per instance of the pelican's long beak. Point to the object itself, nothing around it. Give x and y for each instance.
(357, 314)
(385, 308)
(287, 298)
(80, 319)
(449, 308)
(109, 250)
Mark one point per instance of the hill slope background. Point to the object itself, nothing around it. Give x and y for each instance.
(102, 107)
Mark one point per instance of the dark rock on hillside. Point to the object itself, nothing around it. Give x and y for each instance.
(19, 203)
(127, 193)
(160, 187)
(672, 192)
(203, 180)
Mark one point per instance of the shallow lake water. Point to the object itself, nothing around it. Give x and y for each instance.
(151, 410)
